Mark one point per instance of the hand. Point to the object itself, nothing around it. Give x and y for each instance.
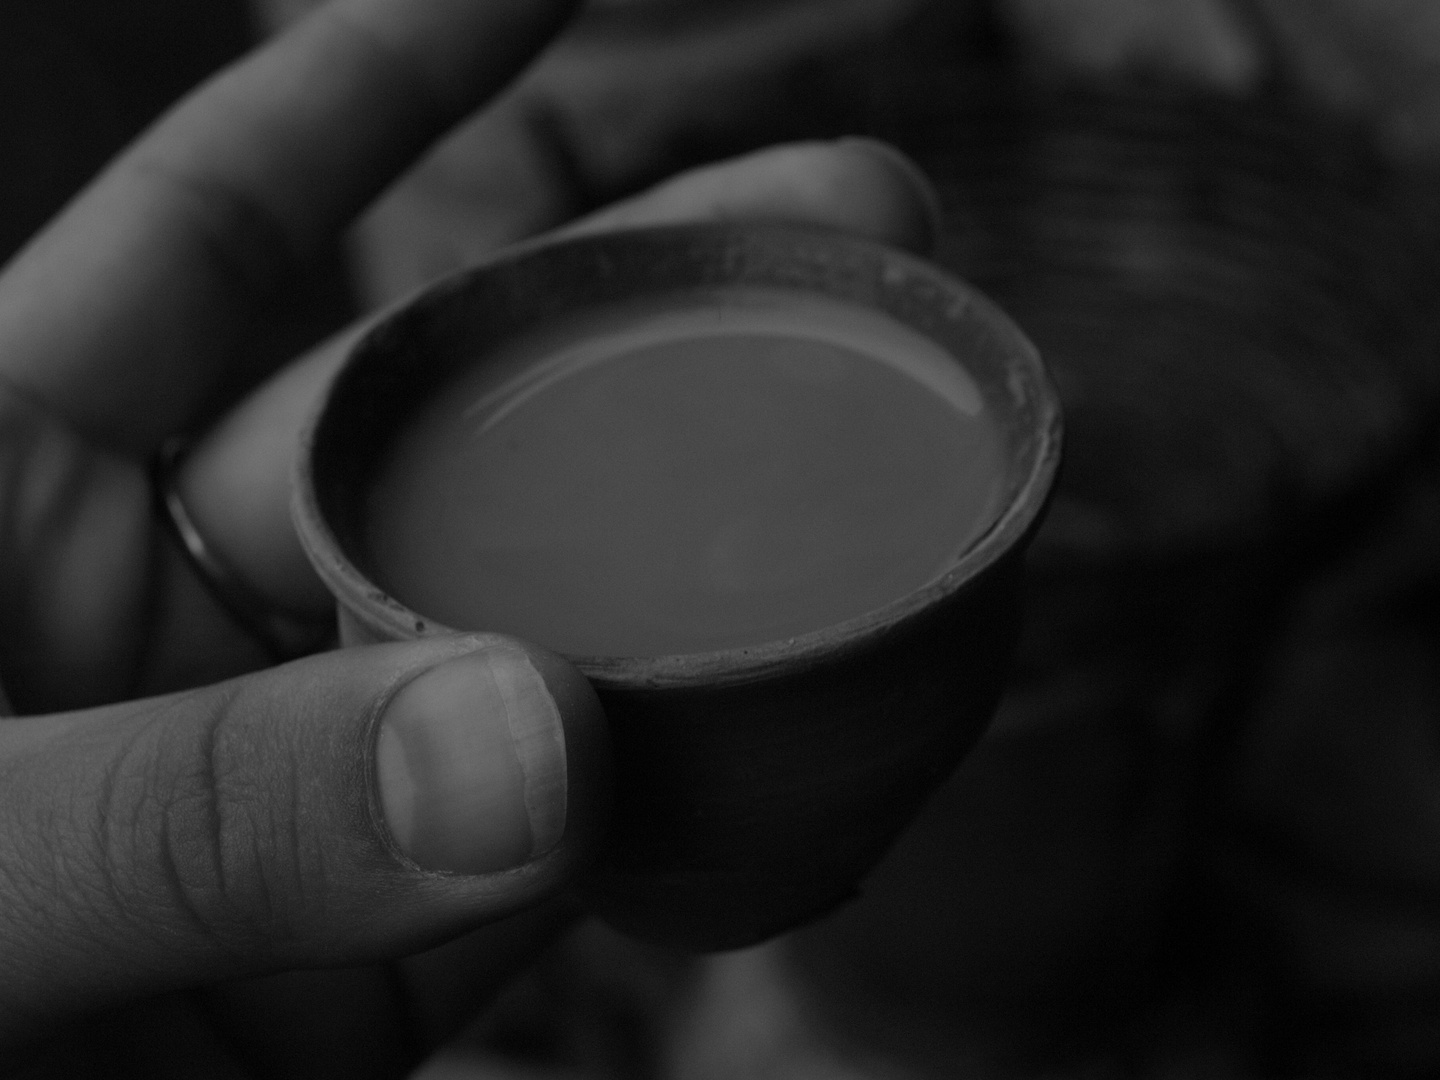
(617, 99)
(158, 855)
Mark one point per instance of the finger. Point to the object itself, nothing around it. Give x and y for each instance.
(124, 314)
(237, 483)
(336, 811)
(859, 186)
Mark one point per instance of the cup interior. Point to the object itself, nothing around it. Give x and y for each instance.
(407, 357)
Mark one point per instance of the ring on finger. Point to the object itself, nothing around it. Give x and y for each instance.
(283, 634)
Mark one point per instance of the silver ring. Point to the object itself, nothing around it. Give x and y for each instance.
(284, 634)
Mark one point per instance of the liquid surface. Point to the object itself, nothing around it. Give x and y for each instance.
(657, 481)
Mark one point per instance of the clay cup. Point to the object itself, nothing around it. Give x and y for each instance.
(754, 786)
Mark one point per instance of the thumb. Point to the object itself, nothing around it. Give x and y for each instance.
(338, 810)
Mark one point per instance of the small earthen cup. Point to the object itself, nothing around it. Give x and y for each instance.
(754, 786)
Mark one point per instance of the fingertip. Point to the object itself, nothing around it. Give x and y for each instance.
(589, 766)
(855, 185)
(904, 205)
(491, 760)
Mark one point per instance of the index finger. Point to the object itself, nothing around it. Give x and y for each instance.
(124, 314)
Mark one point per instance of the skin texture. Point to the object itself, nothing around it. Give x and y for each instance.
(196, 873)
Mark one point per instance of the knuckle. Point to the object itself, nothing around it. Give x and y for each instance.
(232, 232)
(195, 834)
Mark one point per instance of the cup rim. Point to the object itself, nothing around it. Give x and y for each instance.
(1009, 529)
